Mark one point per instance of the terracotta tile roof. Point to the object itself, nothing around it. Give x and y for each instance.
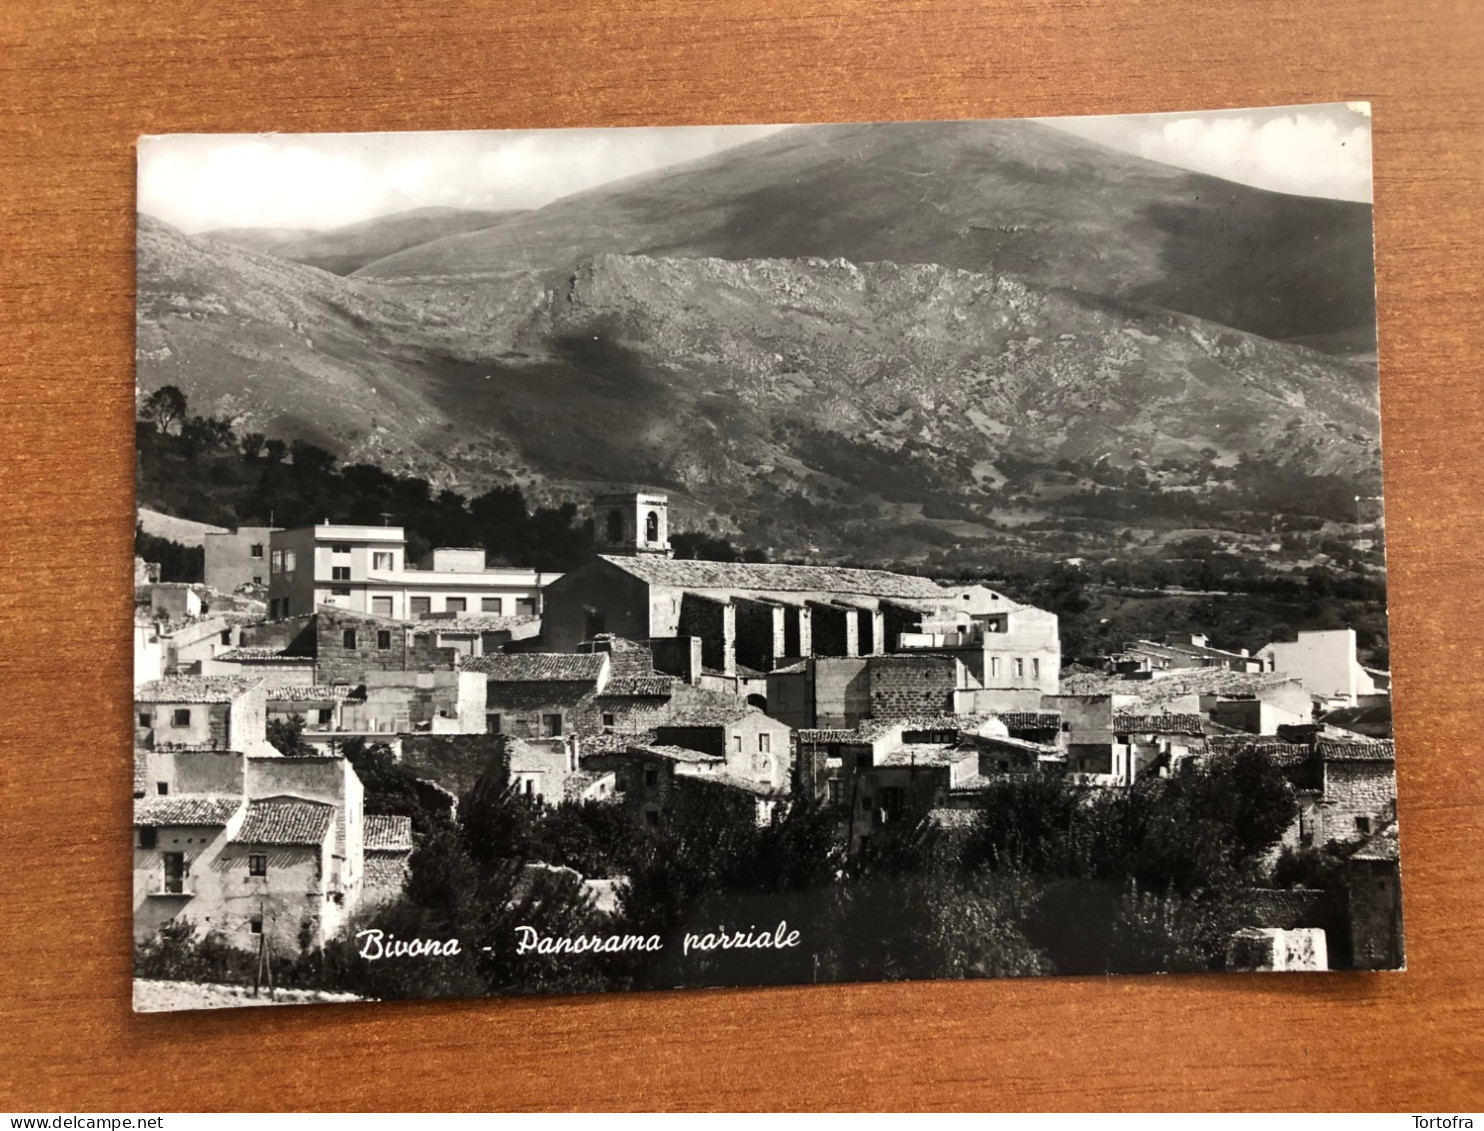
(1030, 720)
(141, 772)
(708, 714)
(285, 822)
(185, 809)
(303, 693)
(747, 576)
(1379, 750)
(640, 687)
(580, 781)
(476, 623)
(795, 668)
(612, 743)
(247, 654)
(728, 780)
(1173, 685)
(919, 754)
(533, 696)
(1268, 744)
(1158, 724)
(874, 728)
(674, 753)
(825, 735)
(628, 657)
(196, 689)
(386, 833)
(528, 667)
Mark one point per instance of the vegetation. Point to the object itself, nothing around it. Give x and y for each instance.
(1049, 878)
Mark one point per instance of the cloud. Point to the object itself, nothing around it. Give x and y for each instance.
(204, 181)
(1307, 150)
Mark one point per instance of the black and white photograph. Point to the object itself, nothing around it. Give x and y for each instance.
(645, 558)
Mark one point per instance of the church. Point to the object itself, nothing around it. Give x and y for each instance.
(756, 618)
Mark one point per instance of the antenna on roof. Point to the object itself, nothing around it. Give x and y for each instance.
(386, 518)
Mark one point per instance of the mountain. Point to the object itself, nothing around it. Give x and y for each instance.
(345, 249)
(265, 241)
(801, 404)
(993, 198)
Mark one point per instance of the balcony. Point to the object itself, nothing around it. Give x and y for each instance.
(171, 887)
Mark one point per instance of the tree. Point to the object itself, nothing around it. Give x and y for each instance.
(164, 408)
(287, 737)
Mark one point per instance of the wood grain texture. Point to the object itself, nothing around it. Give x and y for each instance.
(78, 83)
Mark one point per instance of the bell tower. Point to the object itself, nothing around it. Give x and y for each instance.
(632, 523)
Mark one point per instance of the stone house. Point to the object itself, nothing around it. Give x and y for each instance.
(412, 702)
(644, 775)
(253, 847)
(1153, 743)
(753, 746)
(1374, 884)
(1358, 788)
(202, 713)
(388, 848)
(541, 767)
(320, 706)
(542, 694)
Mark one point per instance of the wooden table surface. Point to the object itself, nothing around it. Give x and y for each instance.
(78, 83)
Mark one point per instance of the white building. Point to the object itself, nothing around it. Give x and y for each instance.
(365, 569)
(1325, 662)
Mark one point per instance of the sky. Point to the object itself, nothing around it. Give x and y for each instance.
(314, 181)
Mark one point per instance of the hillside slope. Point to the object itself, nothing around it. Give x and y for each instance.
(990, 197)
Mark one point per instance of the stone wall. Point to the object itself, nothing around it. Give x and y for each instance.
(1364, 790)
(715, 623)
(385, 878)
(337, 662)
(903, 686)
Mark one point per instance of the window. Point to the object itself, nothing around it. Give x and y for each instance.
(834, 789)
(349, 638)
(226, 636)
(290, 561)
(419, 606)
(492, 605)
(327, 716)
(339, 547)
(272, 608)
(257, 865)
(994, 667)
(339, 592)
(255, 925)
(765, 744)
(530, 787)
(383, 560)
(652, 818)
(257, 579)
(175, 872)
(180, 717)
(455, 604)
(162, 788)
(276, 562)
(651, 778)
(255, 550)
(492, 723)
(1035, 668)
(551, 726)
(1019, 668)
(383, 638)
(651, 527)
(340, 573)
(1363, 825)
(381, 606)
(737, 743)
(865, 804)
(608, 721)
(1066, 728)
(147, 838)
(525, 606)
(144, 718)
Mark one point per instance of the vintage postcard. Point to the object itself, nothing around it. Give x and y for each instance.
(617, 559)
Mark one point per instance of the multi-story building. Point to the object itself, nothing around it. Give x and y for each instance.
(1326, 662)
(237, 558)
(365, 569)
